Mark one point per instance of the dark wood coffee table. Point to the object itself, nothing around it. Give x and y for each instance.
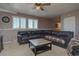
(40, 45)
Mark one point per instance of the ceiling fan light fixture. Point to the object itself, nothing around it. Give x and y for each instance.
(38, 7)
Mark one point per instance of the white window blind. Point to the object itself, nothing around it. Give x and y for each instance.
(35, 24)
(21, 22)
(32, 23)
(16, 22)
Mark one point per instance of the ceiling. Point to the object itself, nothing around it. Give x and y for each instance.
(55, 9)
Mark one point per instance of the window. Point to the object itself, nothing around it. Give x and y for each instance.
(32, 23)
(23, 22)
(19, 22)
(16, 22)
(35, 23)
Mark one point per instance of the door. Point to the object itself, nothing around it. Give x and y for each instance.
(69, 24)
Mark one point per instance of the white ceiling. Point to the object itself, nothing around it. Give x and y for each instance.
(50, 11)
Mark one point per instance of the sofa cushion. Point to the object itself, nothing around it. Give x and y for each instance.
(46, 37)
(55, 39)
(49, 37)
(60, 40)
(23, 33)
(35, 36)
(63, 35)
(25, 37)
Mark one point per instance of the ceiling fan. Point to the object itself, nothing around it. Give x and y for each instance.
(40, 6)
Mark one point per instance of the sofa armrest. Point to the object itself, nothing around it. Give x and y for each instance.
(19, 37)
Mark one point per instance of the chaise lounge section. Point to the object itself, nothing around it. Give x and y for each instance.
(61, 38)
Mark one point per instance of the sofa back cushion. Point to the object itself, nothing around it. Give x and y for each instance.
(23, 33)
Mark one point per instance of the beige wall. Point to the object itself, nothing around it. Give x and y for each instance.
(10, 35)
(43, 23)
(55, 21)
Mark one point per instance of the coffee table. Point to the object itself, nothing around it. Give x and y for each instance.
(40, 45)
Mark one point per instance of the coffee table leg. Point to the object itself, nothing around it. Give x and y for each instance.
(35, 51)
(50, 46)
(29, 44)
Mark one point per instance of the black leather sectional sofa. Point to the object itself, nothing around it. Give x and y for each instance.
(25, 36)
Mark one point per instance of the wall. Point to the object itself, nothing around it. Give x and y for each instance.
(10, 34)
(77, 25)
(56, 23)
(45, 24)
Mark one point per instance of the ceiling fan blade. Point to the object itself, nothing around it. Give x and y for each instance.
(37, 4)
(46, 4)
(42, 4)
(42, 9)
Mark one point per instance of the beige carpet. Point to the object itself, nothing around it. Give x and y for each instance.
(14, 49)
